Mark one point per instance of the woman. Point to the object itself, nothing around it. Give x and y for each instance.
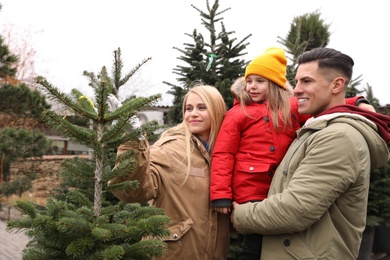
(174, 174)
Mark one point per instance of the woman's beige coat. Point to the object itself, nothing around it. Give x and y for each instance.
(196, 231)
(317, 203)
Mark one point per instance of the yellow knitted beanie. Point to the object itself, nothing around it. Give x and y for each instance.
(270, 65)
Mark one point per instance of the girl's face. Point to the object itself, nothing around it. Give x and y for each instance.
(197, 116)
(257, 87)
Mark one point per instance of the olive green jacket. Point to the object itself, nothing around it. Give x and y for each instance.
(317, 203)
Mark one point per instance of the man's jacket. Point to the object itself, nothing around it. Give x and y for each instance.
(317, 203)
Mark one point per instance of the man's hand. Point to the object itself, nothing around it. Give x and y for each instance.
(234, 205)
(366, 107)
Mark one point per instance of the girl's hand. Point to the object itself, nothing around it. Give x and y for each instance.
(223, 210)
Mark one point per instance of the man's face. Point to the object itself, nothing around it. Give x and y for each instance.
(313, 89)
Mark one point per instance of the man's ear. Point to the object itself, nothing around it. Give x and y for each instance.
(338, 85)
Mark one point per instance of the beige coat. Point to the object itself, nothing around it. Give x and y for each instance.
(317, 203)
(196, 231)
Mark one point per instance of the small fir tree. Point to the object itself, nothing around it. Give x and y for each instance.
(83, 220)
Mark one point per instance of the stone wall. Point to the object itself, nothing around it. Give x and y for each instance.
(46, 169)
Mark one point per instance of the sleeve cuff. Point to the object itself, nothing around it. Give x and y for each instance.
(362, 100)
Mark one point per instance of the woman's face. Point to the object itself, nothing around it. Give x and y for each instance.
(197, 116)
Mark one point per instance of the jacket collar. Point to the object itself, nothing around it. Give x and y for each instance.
(381, 121)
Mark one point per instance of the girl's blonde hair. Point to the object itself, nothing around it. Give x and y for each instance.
(278, 103)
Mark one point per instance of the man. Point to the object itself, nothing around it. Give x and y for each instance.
(317, 203)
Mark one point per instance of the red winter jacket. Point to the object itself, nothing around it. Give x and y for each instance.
(247, 151)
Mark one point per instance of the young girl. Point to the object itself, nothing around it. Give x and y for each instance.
(174, 174)
(254, 138)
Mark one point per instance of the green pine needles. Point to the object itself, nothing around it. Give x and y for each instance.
(82, 219)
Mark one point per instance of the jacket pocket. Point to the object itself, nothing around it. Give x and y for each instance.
(176, 232)
(252, 167)
(297, 248)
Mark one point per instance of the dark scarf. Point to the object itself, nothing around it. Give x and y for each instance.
(380, 120)
(205, 144)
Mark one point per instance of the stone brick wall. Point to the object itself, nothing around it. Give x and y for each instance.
(45, 168)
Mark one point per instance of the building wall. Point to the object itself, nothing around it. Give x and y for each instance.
(148, 116)
(46, 170)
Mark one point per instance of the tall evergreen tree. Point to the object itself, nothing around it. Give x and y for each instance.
(215, 62)
(82, 220)
(7, 61)
(20, 136)
(307, 32)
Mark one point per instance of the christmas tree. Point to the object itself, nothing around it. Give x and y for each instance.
(83, 220)
(216, 62)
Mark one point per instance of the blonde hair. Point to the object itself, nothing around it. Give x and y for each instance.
(216, 108)
(278, 103)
